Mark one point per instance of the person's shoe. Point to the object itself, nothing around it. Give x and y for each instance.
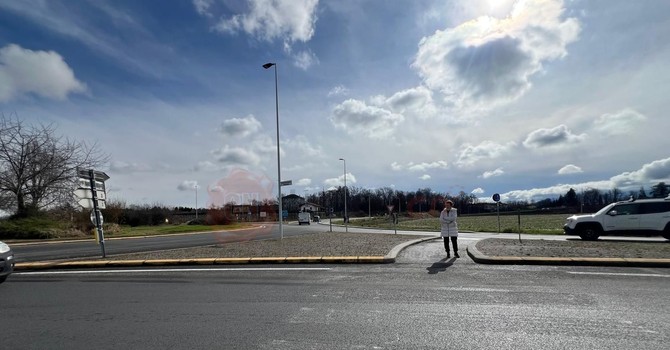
(456, 255)
(448, 255)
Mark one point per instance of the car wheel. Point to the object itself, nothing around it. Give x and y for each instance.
(589, 233)
(3, 278)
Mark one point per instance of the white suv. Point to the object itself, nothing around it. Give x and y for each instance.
(646, 217)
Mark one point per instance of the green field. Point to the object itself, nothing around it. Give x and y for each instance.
(537, 224)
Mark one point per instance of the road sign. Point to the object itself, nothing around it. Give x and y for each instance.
(284, 213)
(86, 183)
(87, 203)
(98, 175)
(93, 217)
(390, 208)
(83, 193)
(496, 197)
(286, 183)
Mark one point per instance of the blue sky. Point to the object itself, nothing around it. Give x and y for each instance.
(522, 98)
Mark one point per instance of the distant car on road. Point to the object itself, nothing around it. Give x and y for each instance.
(6, 261)
(644, 217)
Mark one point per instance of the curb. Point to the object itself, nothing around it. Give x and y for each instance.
(202, 261)
(386, 259)
(480, 258)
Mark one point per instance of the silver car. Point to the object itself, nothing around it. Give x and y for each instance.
(6, 261)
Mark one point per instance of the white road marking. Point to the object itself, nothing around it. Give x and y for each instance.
(93, 272)
(619, 274)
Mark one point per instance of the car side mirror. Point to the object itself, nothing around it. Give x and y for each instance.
(612, 213)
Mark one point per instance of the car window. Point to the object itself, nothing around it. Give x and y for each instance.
(626, 209)
(653, 208)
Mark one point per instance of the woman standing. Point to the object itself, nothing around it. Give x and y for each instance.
(449, 227)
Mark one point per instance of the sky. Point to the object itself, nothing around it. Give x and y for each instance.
(522, 98)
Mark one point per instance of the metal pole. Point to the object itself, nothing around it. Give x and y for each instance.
(98, 225)
(196, 202)
(346, 217)
(281, 211)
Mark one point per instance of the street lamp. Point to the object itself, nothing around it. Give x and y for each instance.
(281, 219)
(346, 218)
(195, 187)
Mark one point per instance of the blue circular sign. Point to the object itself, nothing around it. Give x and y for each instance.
(496, 197)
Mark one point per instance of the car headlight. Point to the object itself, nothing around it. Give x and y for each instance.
(4, 248)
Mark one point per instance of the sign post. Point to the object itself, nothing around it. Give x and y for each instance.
(93, 197)
(496, 198)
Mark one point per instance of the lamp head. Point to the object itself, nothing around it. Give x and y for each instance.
(268, 65)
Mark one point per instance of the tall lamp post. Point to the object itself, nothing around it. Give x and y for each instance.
(346, 217)
(195, 187)
(281, 212)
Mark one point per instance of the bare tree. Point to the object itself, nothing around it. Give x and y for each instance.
(38, 169)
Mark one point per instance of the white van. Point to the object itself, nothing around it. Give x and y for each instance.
(304, 218)
(644, 217)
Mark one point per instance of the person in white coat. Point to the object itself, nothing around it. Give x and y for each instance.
(449, 227)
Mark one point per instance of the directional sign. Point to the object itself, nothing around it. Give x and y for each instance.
(86, 183)
(98, 175)
(87, 203)
(83, 193)
(286, 183)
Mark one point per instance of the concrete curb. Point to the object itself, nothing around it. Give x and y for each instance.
(31, 266)
(480, 258)
(81, 264)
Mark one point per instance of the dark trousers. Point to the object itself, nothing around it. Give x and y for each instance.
(454, 242)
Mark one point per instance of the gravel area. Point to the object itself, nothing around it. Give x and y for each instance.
(574, 248)
(377, 244)
(316, 244)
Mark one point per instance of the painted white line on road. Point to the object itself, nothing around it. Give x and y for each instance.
(94, 272)
(619, 274)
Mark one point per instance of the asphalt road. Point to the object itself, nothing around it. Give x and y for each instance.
(54, 250)
(423, 301)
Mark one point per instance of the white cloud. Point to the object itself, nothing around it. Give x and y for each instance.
(485, 150)
(570, 169)
(559, 136)
(478, 191)
(42, 73)
(497, 172)
(416, 102)
(489, 61)
(339, 90)
(301, 145)
(304, 182)
(420, 167)
(658, 170)
(289, 20)
(240, 127)
(203, 7)
(356, 117)
(126, 168)
(619, 123)
(236, 156)
(205, 166)
(649, 174)
(305, 59)
(424, 177)
(339, 181)
(188, 185)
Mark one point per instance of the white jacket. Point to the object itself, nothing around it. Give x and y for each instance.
(448, 223)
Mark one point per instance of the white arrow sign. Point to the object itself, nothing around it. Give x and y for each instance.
(87, 203)
(83, 193)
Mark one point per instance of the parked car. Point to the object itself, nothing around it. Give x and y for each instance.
(6, 261)
(645, 217)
